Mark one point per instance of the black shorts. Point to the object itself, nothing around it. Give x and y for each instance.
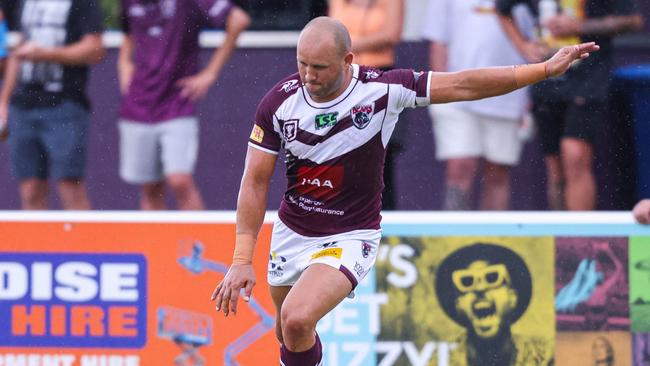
(557, 120)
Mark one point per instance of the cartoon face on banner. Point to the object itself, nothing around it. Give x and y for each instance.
(640, 284)
(593, 348)
(479, 300)
(592, 284)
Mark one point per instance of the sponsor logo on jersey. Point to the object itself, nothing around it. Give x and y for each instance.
(320, 182)
(290, 130)
(361, 115)
(257, 134)
(73, 300)
(326, 120)
(288, 86)
(330, 252)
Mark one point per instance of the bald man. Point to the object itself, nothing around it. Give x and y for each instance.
(334, 119)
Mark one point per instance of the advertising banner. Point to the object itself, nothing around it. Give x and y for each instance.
(447, 289)
(126, 294)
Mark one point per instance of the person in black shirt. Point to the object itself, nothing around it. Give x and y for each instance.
(43, 97)
(570, 110)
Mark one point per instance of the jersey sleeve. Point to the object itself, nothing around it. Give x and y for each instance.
(263, 136)
(215, 12)
(413, 87)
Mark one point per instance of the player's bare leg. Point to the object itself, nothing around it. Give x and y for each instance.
(319, 289)
(278, 294)
(153, 196)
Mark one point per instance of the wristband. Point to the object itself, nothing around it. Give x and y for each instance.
(244, 247)
(530, 74)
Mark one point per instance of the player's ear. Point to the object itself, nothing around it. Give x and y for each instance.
(349, 58)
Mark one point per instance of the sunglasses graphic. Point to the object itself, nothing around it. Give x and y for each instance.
(480, 279)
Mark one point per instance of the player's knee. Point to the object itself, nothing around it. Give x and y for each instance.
(296, 324)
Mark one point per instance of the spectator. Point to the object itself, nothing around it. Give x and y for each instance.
(158, 77)
(484, 131)
(376, 28)
(43, 98)
(570, 110)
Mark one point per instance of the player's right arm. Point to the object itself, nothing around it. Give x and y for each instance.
(251, 207)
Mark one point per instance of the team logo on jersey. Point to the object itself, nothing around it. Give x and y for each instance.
(257, 134)
(365, 249)
(372, 74)
(361, 115)
(290, 130)
(289, 86)
(326, 120)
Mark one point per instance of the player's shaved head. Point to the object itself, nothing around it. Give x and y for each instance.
(324, 30)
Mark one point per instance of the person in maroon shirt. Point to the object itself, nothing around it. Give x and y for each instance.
(327, 264)
(160, 83)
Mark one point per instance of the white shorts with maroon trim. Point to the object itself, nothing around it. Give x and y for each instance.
(353, 253)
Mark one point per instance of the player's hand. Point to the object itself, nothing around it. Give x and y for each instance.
(535, 52)
(641, 212)
(563, 26)
(195, 87)
(226, 294)
(562, 60)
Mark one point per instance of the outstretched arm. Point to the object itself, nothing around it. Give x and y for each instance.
(251, 206)
(489, 82)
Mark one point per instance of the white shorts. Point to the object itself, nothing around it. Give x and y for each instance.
(150, 152)
(353, 253)
(459, 133)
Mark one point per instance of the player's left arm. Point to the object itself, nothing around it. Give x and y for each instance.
(481, 83)
(196, 87)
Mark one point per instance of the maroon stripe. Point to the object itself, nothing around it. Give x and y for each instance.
(309, 138)
(350, 276)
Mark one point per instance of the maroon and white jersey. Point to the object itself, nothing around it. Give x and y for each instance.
(335, 151)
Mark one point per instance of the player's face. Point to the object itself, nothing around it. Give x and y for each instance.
(486, 298)
(322, 70)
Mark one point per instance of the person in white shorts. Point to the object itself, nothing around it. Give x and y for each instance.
(483, 132)
(333, 119)
(161, 83)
